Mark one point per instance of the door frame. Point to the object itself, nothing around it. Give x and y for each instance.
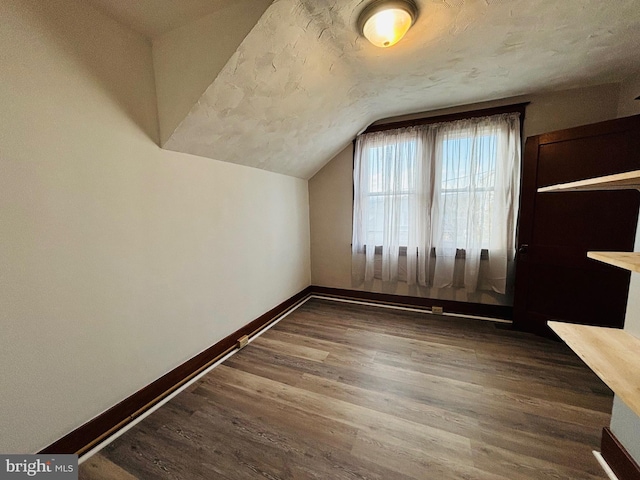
(528, 195)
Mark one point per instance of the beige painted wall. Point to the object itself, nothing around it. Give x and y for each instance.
(118, 260)
(629, 90)
(624, 423)
(331, 189)
(188, 59)
(330, 215)
(549, 111)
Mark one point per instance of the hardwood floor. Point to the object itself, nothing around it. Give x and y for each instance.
(343, 391)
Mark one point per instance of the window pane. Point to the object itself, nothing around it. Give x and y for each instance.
(391, 174)
(467, 195)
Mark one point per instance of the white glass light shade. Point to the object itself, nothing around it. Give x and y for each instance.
(385, 22)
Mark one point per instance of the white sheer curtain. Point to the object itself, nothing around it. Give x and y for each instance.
(448, 188)
(390, 182)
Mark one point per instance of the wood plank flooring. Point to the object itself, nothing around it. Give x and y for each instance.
(343, 391)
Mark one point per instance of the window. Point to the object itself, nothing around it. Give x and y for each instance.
(383, 159)
(467, 188)
(445, 188)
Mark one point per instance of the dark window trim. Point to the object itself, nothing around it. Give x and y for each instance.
(452, 117)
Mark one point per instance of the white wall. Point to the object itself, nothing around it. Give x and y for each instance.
(118, 260)
(624, 423)
(331, 189)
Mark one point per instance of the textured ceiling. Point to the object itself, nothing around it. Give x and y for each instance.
(303, 83)
(155, 17)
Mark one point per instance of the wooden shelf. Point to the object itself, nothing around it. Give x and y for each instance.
(626, 260)
(613, 354)
(619, 181)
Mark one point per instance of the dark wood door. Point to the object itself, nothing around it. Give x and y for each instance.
(554, 277)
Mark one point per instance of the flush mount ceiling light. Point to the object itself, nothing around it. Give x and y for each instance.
(385, 22)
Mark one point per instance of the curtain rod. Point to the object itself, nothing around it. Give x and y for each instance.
(485, 112)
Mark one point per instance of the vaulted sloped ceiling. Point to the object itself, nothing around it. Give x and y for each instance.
(152, 18)
(303, 83)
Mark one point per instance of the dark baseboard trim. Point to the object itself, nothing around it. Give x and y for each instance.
(99, 428)
(614, 453)
(88, 435)
(464, 308)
